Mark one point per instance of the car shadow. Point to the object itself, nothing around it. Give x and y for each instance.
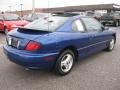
(20, 71)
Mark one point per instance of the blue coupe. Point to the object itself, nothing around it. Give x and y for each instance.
(58, 41)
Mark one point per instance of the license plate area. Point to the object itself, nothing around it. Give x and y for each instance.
(13, 42)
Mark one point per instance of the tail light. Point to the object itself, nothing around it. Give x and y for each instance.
(33, 46)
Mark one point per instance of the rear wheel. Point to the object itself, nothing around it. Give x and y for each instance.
(65, 62)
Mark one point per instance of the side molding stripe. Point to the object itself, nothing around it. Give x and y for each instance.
(92, 45)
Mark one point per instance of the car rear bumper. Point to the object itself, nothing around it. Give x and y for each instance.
(28, 60)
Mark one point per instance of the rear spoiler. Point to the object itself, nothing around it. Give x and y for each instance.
(28, 29)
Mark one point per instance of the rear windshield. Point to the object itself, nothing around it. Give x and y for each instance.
(47, 23)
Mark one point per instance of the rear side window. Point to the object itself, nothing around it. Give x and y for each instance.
(77, 26)
(92, 24)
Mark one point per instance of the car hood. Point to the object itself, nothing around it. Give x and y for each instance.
(17, 23)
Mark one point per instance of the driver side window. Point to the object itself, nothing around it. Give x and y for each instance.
(92, 24)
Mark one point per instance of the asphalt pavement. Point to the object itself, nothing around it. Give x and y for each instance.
(100, 71)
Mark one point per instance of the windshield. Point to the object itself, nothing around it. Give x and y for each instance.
(11, 17)
(47, 23)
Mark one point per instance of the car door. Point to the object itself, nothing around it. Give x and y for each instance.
(81, 38)
(97, 36)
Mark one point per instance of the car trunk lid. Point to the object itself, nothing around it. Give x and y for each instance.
(22, 36)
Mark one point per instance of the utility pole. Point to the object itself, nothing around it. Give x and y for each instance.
(16, 9)
(33, 6)
(21, 5)
(10, 7)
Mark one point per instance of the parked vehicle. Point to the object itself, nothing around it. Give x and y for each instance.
(58, 42)
(10, 21)
(95, 15)
(34, 16)
(111, 18)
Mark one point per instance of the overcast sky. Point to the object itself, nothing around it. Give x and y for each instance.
(27, 4)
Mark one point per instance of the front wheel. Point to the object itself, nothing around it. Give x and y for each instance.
(111, 45)
(65, 62)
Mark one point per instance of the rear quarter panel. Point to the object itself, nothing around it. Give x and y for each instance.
(57, 41)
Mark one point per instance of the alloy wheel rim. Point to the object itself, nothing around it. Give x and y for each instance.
(112, 44)
(67, 63)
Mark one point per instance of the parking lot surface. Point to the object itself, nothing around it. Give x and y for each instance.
(98, 72)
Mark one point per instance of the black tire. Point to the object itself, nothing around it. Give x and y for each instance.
(116, 23)
(5, 31)
(58, 66)
(111, 45)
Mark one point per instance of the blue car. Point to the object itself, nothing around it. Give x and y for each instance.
(57, 42)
